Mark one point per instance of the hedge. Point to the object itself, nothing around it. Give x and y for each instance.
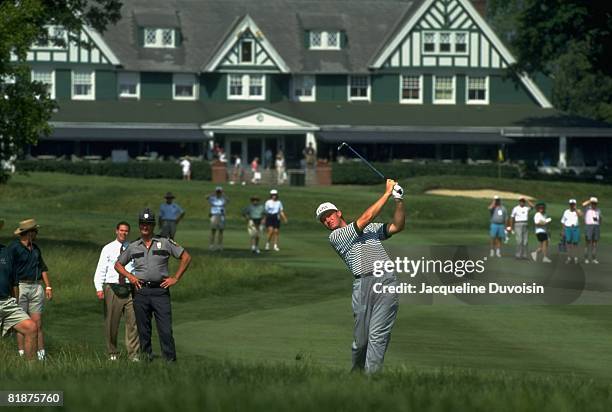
(351, 173)
(146, 170)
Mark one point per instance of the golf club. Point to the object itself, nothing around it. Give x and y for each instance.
(362, 158)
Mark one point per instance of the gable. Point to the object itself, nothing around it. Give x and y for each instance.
(98, 51)
(453, 19)
(261, 57)
(227, 55)
(262, 119)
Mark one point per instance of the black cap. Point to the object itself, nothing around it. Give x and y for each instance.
(146, 216)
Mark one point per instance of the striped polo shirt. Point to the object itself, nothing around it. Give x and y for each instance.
(360, 250)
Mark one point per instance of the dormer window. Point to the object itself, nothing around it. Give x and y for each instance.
(159, 37)
(324, 40)
(246, 51)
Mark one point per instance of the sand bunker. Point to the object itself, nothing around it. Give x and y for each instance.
(478, 194)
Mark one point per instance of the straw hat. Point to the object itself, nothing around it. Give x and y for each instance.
(26, 226)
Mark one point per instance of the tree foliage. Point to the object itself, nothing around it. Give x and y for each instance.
(25, 106)
(568, 40)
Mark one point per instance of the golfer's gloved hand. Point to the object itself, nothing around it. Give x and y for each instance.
(398, 192)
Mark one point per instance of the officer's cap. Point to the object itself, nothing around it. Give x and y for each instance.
(146, 216)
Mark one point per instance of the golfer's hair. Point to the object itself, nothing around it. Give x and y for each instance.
(123, 223)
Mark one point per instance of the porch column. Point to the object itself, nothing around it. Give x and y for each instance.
(562, 152)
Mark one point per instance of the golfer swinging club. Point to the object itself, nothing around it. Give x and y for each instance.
(359, 244)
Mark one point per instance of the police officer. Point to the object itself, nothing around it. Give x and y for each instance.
(170, 214)
(152, 283)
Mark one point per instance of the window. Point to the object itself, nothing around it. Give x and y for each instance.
(57, 38)
(47, 77)
(359, 88)
(445, 44)
(246, 51)
(444, 90)
(315, 40)
(246, 87)
(429, 42)
(460, 43)
(83, 85)
(325, 40)
(156, 37)
(184, 87)
(129, 85)
(304, 88)
(477, 90)
(411, 89)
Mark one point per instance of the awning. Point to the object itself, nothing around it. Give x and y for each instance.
(148, 134)
(416, 137)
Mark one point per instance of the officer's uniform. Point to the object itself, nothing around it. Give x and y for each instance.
(151, 268)
(169, 214)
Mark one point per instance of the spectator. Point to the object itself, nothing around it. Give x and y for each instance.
(186, 168)
(592, 222)
(255, 171)
(281, 174)
(497, 232)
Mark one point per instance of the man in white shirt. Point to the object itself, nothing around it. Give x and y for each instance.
(570, 222)
(592, 222)
(117, 295)
(520, 218)
(186, 168)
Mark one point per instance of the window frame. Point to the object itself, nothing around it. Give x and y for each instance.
(52, 85)
(368, 91)
(246, 87)
(194, 86)
(401, 89)
(297, 82)
(92, 95)
(252, 43)
(487, 89)
(51, 36)
(159, 35)
(136, 76)
(453, 42)
(324, 34)
(454, 91)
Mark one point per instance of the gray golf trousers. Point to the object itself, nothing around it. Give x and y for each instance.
(374, 315)
(521, 231)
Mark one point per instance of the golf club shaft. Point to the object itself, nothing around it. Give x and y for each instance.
(375, 170)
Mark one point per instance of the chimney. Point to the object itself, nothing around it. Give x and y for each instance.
(481, 7)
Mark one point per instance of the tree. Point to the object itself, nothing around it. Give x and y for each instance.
(568, 40)
(25, 106)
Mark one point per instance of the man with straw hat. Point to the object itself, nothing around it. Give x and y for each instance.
(11, 314)
(30, 269)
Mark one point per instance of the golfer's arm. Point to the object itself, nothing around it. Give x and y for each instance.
(371, 212)
(399, 218)
(45, 277)
(121, 270)
(183, 265)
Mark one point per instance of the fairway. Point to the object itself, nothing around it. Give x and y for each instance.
(283, 319)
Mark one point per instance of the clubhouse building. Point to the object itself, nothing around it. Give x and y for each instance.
(395, 78)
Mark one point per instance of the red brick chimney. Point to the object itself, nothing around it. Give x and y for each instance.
(480, 6)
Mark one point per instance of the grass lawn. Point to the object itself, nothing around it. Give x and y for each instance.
(273, 332)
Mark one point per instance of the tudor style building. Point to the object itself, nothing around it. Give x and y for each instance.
(421, 78)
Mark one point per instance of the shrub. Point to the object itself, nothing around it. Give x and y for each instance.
(358, 173)
(145, 170)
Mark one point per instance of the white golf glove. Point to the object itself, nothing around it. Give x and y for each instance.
(398, 192)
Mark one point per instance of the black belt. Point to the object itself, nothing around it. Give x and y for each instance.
(149, 284)
(364, 275)
(30, 281)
